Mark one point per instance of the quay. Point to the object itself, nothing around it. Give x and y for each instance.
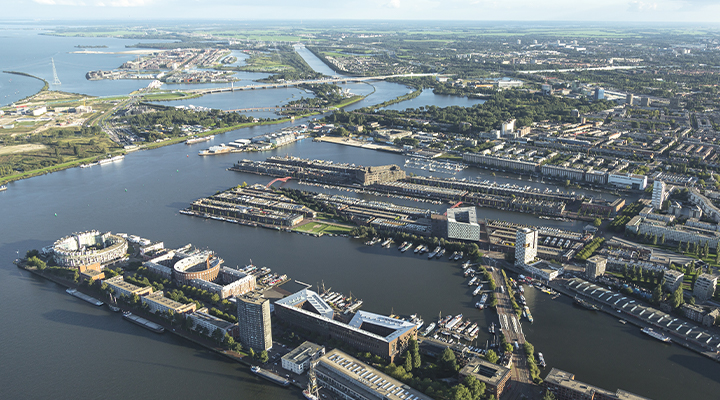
(681, 332)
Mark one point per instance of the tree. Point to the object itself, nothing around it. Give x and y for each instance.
(476, 388)
(549, 396)
(228, 341)
(408, 365)
(657, 294)
(491, 356)
(251, 352)
(447, 360)
(676, 300)
(597, 222)
(263, 357)
(460, 392)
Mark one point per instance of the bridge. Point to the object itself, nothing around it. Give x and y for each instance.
(335, 79)
(284, 180)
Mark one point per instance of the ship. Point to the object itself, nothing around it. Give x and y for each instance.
(434, 252)
(417, 249)
(472, 281)
(274, 378)
(83, 296)
(215, 150)
(477, 290)
(585, 304)
(415, 319)
(194, 140)
(526, 312)
(3, 187)
(541, 360)
(657, 335)
(441, 253)
(111, 160)
(481, 304)
(402, 245)
(311, 391)
(143, 322)
(429, 329)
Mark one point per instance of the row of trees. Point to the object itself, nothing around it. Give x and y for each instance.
(589, 249)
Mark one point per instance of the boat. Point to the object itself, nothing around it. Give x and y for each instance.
(386, 243)
(541, 360)
(441, 253)
(143, 322)
(472, 281)
(429, 329)
(194, 140)
(522, 299)
(492, 328)
(466, 264)
(415, 319)
(526, 312)
(417, 249)
(481, 304)
(622, 321)
(111, 160)
(3, 187)
(274, 378)
(402, 245)
(657, 335)
(113, 304)
(83, 296)
(477, 290)
(215, 150)
(585, 304)
(434, 252)
(311, 391)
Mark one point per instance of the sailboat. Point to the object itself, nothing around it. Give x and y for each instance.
(311, 392)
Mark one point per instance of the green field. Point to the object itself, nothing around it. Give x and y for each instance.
(318, 228)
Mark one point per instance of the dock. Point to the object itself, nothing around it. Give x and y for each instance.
(143, 322)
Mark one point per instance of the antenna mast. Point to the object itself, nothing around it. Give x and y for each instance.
(56, 80)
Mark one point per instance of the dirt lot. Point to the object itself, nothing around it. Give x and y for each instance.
(21, 148)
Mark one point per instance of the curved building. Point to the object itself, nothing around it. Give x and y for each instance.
(202, 265)
(80, 250)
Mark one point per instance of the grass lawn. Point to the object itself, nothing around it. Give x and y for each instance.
(322, 228)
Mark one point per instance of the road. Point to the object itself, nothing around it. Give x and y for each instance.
(520, 385)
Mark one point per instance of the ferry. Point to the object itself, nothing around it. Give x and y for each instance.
(111, 160)
(657, 335)
(429, 329)
(541, 360)
(194, 140)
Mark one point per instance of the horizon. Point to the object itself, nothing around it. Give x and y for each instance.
(592, 11)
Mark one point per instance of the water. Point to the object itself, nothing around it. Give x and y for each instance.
(428, 97)
(80, 350)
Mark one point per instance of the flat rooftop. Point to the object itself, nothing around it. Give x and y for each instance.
(485, 371)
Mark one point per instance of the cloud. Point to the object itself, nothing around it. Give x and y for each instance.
(394, 4)
(642, 6)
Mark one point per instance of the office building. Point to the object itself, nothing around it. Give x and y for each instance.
(253, 312)
(673, 279)
(121, 288)
(492, 375)
(564, 387)
(351, 379)
(201, 318)
(629, 181)
(507, 127)
(599, 94)
(658, 195)
(462, 224)
(595, 266)
(525, 246)
(367, 332)
(704, 287)
(299, 359)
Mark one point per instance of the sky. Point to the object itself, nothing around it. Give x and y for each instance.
(687, 11)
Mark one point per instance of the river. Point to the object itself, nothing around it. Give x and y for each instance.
(54, 345)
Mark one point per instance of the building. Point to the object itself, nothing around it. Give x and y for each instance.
(368, 332)
(90, 249)
(494, 376)
(595, 266)
(599, 94)
(127, 289)
(462, 224)
(673, 279)
(299, 359)
(253, 312)
(711, 317)
(564, 386)
(542, 270)
(201, 318)
(630, 99)
(630, 181)
(507, 127)
(545, 90)
(693, 312)
(525, 246)
(201, 265)
(705, 204)
(658, 195)
(157, 303)
(351, 379)
(704, 287)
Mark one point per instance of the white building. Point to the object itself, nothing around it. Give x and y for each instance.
(211, 323)
(632, 181)
(462, 224)
(507, 127)
(704, 287)
(526, 246)
(298, 360)
(658, 195)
